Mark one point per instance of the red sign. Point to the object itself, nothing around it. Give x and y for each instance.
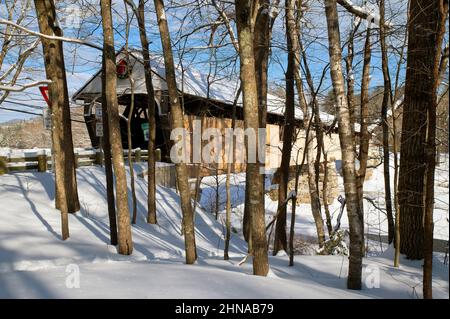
(44, 92)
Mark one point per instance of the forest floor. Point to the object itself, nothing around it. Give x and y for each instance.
(36, 263)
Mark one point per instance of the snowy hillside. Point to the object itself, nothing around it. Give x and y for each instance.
(35, 262)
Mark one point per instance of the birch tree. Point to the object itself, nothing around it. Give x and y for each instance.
(347, 142)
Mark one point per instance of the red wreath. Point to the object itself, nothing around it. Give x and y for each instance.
(122, 69)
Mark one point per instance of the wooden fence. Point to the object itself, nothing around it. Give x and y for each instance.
(41, 159)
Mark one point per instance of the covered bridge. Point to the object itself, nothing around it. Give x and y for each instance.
(204, 97)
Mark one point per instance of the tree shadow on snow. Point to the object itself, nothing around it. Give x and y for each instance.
(34, 209)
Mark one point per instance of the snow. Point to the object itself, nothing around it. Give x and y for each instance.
(36, 263)
(370, 11)
(375, 221)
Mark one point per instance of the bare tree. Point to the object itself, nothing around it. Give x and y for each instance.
(15, 48)
(439, 15)
(280, 242)
(355, 215)
(387, 100)
(264, 15)
(151, 109)
(423, 56)
(124, 229)
(108, 164)
(230, 168)
(254, 201)
(363, 154)
(293, 74)
(130, 118)
(65, 175)
(177, 121)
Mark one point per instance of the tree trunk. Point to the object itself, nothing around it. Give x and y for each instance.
(65, 174)
(351, 74)
(294, 199)
(228, 214)
(247, 220)
(151, 110)
(396, 149)
(280, 242)
(325, 194)
(320, 144)
(124, 229)
(230, 168)
(108, 163)
(254, 201)
(292, 222)
(387, 100)
(439, 16)
(347, 143)
(261, 46)
(262, 35)
(292, 28)
(217, 191)
(130, 119)
(420, 83)
(130, 153)
(312, 161)
(177, 122)
(363, 154)
(313, 188)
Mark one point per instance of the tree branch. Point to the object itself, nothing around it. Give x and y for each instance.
(50, 37)
(20, 88)
(362, 12)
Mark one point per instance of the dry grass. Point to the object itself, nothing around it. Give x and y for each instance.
(31, 133)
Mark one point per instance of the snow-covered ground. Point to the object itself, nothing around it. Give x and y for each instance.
(35, 262)
(374, 217)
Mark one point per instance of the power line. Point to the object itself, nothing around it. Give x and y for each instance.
(26, 112)
(31, 106)
(24, 105)
(18, 111)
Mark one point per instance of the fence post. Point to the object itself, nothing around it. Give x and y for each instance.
(137, 155)
(42, 161)
(98, 157)
(3, 164)
(76, 158)
(158, 155)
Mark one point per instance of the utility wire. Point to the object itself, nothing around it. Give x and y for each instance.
(22, 104)
(26, 112)
(19, 111)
